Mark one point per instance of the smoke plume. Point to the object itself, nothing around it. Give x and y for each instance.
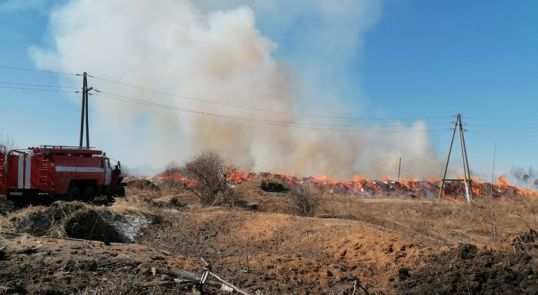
(213, 50)
(524, 177)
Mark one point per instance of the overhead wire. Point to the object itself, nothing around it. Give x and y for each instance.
(215, 102)
(7, 67)
(314, 126)
(285, 122)
(371, 129)
(245, 119)
(34, 89)
(31, 87)
(329, 127)
(18, 84)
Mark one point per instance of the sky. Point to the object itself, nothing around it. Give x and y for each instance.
(417, 60)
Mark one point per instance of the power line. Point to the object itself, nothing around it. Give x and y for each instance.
(35, 70)
(351, 117)
(213, 101)
(497, 119)
(326, 127)
(252, 120)
(145, 101)
(504, 127)
(55, 88)
(34, 89)
(17, 84)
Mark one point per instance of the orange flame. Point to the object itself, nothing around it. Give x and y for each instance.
(503, 181)
(177, 177)
(361, 185)
(236, 176)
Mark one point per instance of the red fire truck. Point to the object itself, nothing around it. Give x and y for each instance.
(49, 172)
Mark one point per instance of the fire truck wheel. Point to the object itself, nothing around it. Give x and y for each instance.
(89, 194)
(120, 192)
(74, 193)
(110, 199)
(18, 203)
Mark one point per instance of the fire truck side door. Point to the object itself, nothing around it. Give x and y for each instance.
(24, 168)
(108, 172)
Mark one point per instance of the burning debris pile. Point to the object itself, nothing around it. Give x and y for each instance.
(178, 177)
(367, 187)
(410, 187)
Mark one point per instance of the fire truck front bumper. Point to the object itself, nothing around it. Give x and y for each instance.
(23, 195)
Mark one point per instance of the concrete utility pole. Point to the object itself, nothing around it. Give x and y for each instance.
(84, 121)
(399, 169)
(458, 127)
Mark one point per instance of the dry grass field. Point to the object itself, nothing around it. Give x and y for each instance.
(350, 245)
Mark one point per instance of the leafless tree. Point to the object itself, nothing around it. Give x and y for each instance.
(489, 214)
(6, 141)
(212, 186)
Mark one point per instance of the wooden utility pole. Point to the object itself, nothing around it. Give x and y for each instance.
(458, 127)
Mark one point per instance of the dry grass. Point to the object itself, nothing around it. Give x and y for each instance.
(133, 203)
(379, 237)
(486, 221)
(7, 226)
(151, 202)
(492, 222)
(45, 221)
(267, 201)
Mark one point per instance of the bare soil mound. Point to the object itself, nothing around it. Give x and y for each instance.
(89, 225)
(51, 266)
(470, 271)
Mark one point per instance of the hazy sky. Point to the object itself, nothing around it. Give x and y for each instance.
(420, 60)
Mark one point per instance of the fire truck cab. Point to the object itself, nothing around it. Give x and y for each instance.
(72, 173)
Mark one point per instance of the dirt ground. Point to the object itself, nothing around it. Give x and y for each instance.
(153, 242)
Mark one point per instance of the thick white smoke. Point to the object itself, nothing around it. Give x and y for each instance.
(214, 50)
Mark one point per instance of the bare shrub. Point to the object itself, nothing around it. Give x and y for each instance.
(528, 214)
(212, 186)
(490, 215)
(6, 142)
(305, 199)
